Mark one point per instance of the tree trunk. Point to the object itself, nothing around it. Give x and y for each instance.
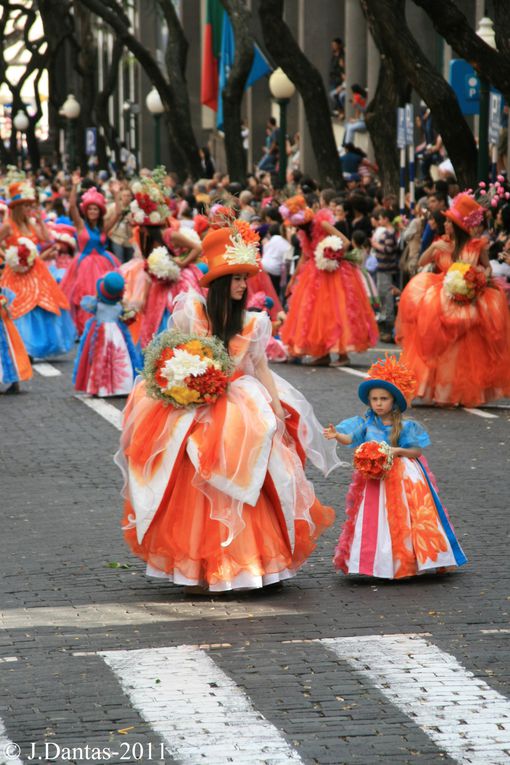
(386, 16)
(111, 137)
(450, 23)
(233, 91)
(382, 125)
(307, 79)
(178, 118)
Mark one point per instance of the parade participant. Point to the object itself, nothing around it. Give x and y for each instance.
(396, 525)
(213, 443)
(107, 362)
(454, 326)
(24, 217)
(157, 275)
(329, 311)
(39, 309)
(94, 261)
(15, 365)
(275, 349)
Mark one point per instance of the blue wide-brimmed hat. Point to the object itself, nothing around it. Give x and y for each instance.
(110, 288)
(393, 376)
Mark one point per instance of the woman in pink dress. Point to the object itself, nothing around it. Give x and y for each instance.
(94, 261)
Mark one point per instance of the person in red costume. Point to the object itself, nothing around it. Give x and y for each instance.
(454, 324)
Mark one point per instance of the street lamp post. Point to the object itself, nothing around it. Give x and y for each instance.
(486, 32)
(156, 108)
(282, 90)
(71, 111)
(5, 103)
(21, 123)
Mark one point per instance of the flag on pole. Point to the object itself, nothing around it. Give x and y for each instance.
(218, 58)
(211, 54)
(259, 68)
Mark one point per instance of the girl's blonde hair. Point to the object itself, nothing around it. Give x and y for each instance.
(396, 429)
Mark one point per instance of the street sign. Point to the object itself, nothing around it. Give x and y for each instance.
(401, 128)
(494, 118)
(409, 124)
(90, 141)
(464, 81)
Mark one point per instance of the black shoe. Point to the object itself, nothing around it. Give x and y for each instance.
(14, 388)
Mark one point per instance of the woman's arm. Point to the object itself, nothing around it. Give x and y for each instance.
(430, 254)
(181, 240)
(5, 230)
(73, 205)
(332, 231)
(263, 374)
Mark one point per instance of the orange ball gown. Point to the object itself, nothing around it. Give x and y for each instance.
(329, 311)
(459, 352)
(217, 495)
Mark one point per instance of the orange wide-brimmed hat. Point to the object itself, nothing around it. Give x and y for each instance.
(226, 252)
(20, 192)
(465, 212)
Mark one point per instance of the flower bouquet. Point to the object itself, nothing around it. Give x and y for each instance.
(186, 369)
(21, 257)
(329, 253)
(149, 207)
(463, 283)
(128, 315)
(373, 459)
(162, 266)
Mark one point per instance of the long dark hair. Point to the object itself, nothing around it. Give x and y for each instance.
(225, 315)
(461, 238)
(150, 237)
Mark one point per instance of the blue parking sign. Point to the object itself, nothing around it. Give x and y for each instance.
(464, 81)
(90, 141)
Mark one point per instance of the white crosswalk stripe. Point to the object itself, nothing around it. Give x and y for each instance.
(9, 751)
(464, 716)
(199, 712)
(46, 370)
(110, 413)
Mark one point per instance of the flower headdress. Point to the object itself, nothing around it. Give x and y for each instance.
(465, 212)
(20, 189)
(491, 194)
(295, 211)
(392, 375)
(150, 205)
(93, 197)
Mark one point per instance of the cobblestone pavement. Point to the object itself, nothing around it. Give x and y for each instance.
(95, 657)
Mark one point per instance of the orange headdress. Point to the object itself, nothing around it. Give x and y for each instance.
(392, 375)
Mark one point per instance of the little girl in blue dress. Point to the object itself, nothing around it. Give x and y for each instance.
(107, 361)
(14, 362)
(396, 525)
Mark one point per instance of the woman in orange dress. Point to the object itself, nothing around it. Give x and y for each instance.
(456, 340)
(15, 365)
(39, 309)
(216, 495)
(329, 311)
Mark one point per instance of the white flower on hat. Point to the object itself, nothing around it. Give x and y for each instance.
(241, 252)
(155, 217)
(137, 188)
(139, 216)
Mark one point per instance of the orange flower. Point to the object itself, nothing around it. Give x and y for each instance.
(428, 540)
(394, 371)
(249, 235)
(373, 459)
(166, 355)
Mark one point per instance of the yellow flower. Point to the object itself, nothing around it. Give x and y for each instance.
(196, 348)
(182, 395)
(462, 267)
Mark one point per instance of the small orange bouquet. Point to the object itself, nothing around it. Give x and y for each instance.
(373, 459)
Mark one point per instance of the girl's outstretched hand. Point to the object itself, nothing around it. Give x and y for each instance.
(330, 432)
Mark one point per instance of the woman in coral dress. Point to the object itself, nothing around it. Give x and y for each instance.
(329, 311)
(216, 494)
(457, 345)
(93, 261)
(165, 267)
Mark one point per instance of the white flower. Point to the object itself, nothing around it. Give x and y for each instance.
(455, 284)
(328, 264)
(162, 265)
(139, 216)
(155, 217)
(12, 253)
(154, 194)
(11, 256)
(241, 253)
(137, 188)
(183, 364)
(133, 206)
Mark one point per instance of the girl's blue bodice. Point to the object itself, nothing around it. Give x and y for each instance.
(370, 428)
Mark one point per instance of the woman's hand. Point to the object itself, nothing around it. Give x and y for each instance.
(396, 451)
(76, 178)
(279, 411)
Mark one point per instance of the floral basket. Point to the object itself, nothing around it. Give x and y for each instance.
(186, 370)
(162, 266)
(329, 253)
(463, 283)
(373, 459)
(22, 256)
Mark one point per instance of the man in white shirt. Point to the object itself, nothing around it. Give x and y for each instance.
(275, 251)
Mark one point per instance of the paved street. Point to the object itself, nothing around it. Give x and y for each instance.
(329, 670)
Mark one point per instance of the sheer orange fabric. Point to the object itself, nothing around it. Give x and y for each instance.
(35, 288)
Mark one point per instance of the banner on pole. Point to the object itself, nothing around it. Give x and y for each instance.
(401, 128)
(409, 124)
(494, 118)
